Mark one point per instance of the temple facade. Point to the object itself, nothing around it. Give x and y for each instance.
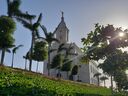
(85, 71)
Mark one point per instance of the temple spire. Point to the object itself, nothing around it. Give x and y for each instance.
(62, 18)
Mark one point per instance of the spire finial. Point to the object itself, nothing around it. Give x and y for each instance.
(62, 14)
(62, 18)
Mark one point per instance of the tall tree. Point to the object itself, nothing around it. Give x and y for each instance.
(121, 80)
(14, 52)
(7, 27)
(64, 51)
(57, 63)
(26, 57)
(67, 62)
(97, 75)
(33, 27)
(40, 52)
(103, 78)
(13, 10)
(49, 38)
(58, 57)
(103, 42)
(114, 63)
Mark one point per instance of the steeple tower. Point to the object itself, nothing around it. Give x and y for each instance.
(62, 31)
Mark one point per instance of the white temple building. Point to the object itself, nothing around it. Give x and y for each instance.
(85, 71)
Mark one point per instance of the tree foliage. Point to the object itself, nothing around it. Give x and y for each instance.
(103, 41)
(49, 38)
(121, 80)
(57, 61)
(14, 52)
(115, 62)
(40, 51)
(13, 8)
(33, 27)
(7, 27)
(67, 65)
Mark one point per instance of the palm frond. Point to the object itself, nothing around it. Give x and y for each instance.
(25, 23)
(37, 33)
(8, 3)
(37, 23)
(56, 40)
(39, 18)
(7, 50)
(97, 74)
(14, 10)
(43, 39)
(13, 7)
(44, 30)
(52, 50)
(24, 57)
(24, 15)
(71, 47)
(72, 53)
(61, 47)
(16, 48)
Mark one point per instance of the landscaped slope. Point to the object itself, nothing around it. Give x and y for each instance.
(16, 82)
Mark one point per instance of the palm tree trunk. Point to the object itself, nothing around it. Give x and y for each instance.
(37, 66)
(8, 1)
(104, 83)
(111, 85)
(48, 64)
(31, 52)
(12, 59)
(2, 56)
(67, 75)
(59, 74)
(25, 64)
(98, 81)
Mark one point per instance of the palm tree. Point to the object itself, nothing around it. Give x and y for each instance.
(26, 57)
(67, 62)
(40, 52)
(103, 78)
(14, 52)
(25, 62)
(13, 10)
(7, 27)
(57, 63)
(68, 51)
(97, 75)
(33, 27)
(49, 38)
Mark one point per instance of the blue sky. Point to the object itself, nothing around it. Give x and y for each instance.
(80, 17)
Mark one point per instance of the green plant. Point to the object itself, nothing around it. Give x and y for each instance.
(23, 83)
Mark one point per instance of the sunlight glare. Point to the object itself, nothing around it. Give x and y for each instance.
(121, 34)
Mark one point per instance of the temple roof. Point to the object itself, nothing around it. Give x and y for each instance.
(62, 24)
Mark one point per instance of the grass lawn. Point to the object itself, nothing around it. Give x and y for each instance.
(17, 82)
